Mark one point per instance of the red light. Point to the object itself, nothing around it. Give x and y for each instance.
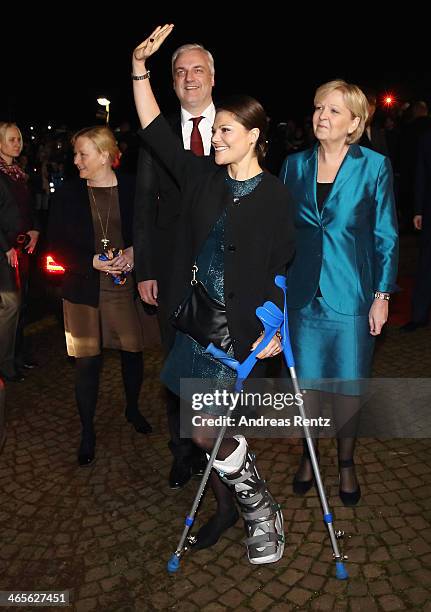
(389, 99)
(52, 266)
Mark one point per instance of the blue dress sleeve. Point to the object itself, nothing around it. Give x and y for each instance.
(385, 232)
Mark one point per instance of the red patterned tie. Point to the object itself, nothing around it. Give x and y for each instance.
(196, 144)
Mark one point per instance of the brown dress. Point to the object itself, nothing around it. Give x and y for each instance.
(117, 322)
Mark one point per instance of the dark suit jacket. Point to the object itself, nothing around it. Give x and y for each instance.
(258, 233)
(71, 236)
(378, 140)
(9, 228)
(157, 209)
(423, 181)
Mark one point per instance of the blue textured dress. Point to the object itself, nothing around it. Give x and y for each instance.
(187, 358)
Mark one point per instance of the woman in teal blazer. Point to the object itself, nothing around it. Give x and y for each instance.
(344, 269)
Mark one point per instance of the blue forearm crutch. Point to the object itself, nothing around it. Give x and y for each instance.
(341, 572)
(271, 323)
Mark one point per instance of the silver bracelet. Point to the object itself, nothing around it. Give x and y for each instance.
(141, 77)
(382, 296)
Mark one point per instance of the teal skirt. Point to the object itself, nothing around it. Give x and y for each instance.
(333, 352)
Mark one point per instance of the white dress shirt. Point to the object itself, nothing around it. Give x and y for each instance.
(205, 127)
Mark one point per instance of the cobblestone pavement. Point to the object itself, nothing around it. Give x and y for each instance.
(107, 532)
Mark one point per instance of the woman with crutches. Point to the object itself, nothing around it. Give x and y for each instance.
(236, 230)
(344, 270)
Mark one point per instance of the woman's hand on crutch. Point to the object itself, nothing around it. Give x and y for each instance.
(272, 349)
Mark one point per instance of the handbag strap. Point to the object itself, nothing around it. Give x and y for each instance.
(194, 280)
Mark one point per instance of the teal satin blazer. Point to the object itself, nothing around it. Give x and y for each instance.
(351, 247)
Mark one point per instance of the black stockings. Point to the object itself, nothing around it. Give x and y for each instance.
(132, 369)
(87, 375)
(204, 437)
(345, 411)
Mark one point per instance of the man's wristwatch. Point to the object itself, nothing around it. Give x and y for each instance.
(382, 296)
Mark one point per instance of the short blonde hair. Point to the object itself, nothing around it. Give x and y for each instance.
(4, 126)
(102, 138)
(354, 99)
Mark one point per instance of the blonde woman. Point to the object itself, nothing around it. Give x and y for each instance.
(345, 266)
(91, 216)
(14, 277)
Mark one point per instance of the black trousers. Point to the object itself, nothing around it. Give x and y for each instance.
(22, 344)
(181, 448)
(421, 300)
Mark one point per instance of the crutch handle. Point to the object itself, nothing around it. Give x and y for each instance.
(271, 318)
(281, 281)
(219, 354)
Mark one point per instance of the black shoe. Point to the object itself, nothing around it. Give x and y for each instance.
(198, 467)
(86, 450)
(29, 364)
(15, 377)
(412, 326)
(349, 498)
(209, 534)
(300, 487)
(140, 423)
(180, 474)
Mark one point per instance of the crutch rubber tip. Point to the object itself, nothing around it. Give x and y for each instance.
(173, 564)
(341, 572)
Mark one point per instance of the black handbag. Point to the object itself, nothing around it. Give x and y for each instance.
(202, 317)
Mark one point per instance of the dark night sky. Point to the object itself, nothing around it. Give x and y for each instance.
(65, 62)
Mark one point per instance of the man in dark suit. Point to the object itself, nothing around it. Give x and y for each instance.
(421, 300)
(157, 210)
(374, 137)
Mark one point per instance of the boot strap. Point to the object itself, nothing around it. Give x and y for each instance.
(266, 514)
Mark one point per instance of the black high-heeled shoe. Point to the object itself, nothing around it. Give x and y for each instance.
(300, 487)
(86, 450)
(349, 498)
(139, 422)
(210, 533)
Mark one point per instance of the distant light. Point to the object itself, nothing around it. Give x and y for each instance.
(32, 137)
(389, 99)
(31, 127)
(103, 101)
(51, 184)
(52, 190)
(49, 127)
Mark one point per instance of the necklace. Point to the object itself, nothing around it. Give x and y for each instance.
(105, 240)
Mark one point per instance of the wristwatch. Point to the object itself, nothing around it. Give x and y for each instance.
(382, 296)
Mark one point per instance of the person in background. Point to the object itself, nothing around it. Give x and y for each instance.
(374, 136)
(17, 182)
(344, 269)
(90, 221)
(421, 299)
(9, 282)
